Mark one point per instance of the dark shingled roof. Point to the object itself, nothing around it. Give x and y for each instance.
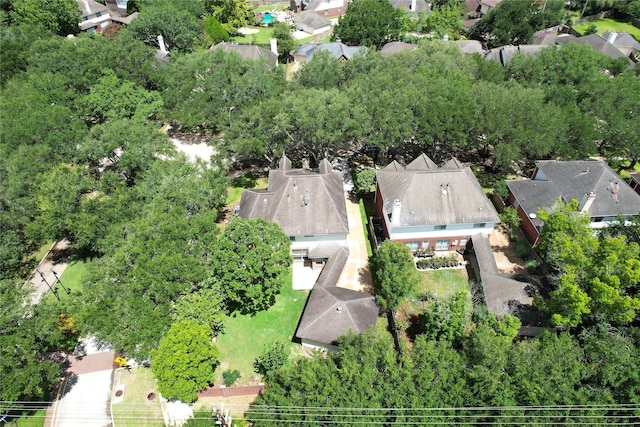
(336, 50)
(597, 42)
(332, 311)
(503, 293)
(435, 196)
(395, 47)
(572, 180)
(300, 201)
(312, 19)
(247, 51)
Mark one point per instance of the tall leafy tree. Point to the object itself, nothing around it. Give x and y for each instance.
(180, 29)
(251, 261)
(394, 274)
(369, 23)
(185, 361)
(57, 16)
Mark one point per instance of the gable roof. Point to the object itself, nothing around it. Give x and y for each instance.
(300, 201)
(435, 196)
(312, 19)
(469, 46)
(395, 47)
(622, 39)
(89, 7)
(332, 311)
(596, 42)
(336, 50)
(572, 180)
(247, 51)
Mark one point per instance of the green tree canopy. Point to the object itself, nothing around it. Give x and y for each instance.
(185, 361)
(394, 274)
(369, 23)
(57, 16)
(251, 260)
(180, 29)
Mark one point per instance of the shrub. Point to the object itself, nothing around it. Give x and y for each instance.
(521, 248)
(531, 266)
(230, 377)
(271, 359)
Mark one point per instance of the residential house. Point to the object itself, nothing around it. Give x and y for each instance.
(487, 5)
(634, 182)
(325, 8)
(311, 22)
(247, 51)
(601, 193)
(597, 43)
(395, 47)
(625, 43)
(337, 50)
(332, 311)
(412, 6)
(432, 208)
(94, 17)
(311, 209)
(505, 293)
(504, 54)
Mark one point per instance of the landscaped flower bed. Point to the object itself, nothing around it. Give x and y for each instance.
(447, 261)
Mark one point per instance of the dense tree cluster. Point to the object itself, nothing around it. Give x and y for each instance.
(84, 158)
(368, 383)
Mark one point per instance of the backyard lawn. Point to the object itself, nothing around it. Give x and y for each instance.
(246, 336)
(606, 24)
(444, 283)
(262, 37)
(134, 409)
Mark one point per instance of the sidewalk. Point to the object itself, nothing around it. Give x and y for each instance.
(57, 259)
(356, 274)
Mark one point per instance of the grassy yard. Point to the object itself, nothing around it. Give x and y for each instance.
(41, 252)
(135, 410)
(444, 283)
(246, 336)
(262, 37)
(607, 24)
(365, 224)
(29, 419)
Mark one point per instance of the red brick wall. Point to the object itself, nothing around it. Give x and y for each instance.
(529, 229)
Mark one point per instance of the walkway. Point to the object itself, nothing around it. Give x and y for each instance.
(56, 260)
(356, 274)
(250, 390)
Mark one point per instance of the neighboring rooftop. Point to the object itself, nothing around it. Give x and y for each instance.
(434, 196)
(302, 202)
(411, 6)
(336, 50)
(569, 180)
(332, 311)
(395, 47)
(247, 51)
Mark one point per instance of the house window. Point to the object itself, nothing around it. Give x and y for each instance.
(98, 14)
(440, 227)
(442, 245)
(299, 254)
(413, 246)
(516, 203)
(425, 244)
(480, 225)
(463, 241)
(597, 219)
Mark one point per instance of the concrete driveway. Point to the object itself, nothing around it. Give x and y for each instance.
(84, 398)
(356, 274)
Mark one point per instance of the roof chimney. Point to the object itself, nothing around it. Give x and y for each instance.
(612, 37)
(412, 8)
(161, 43)
(395, 212)
(587, 201)
(274, 45)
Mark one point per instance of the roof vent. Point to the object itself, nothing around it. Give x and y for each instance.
(533, 216)
(444, 189)
(339, 309)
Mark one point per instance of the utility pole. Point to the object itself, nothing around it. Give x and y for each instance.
(45, 281)
(68, 291)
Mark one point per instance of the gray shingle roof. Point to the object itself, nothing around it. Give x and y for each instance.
(247, 51)
(572, 180)
(312, 19)
(596, 42)
(395, 47)
(332, 311)
(336, 50)
(435, 196)
(302, 202)
(622, 39)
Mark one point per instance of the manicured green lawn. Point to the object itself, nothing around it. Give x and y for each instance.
(135, 410)
(41, 252)
(365, 224)
(444, 283)
(31, 419)
(263, 36)
(607, 24)
(271, 7)
(246, 336)
(74, 275)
